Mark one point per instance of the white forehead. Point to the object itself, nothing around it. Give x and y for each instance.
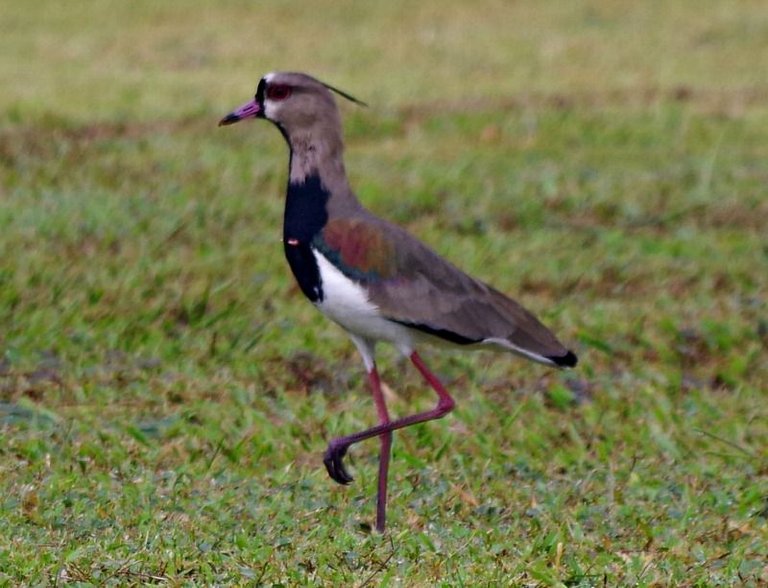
(269, 77)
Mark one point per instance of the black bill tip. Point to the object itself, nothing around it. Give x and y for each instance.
(230, 119)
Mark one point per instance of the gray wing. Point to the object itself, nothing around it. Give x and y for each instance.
(429, 293)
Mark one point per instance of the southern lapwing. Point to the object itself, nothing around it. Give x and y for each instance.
(371, 277)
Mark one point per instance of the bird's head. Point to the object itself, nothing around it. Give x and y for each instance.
(295, 102)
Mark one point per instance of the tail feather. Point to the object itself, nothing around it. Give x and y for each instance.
(568, 360)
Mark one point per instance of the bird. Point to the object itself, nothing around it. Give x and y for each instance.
(372, 277)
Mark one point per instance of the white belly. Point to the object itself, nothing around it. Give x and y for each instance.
(347, 303)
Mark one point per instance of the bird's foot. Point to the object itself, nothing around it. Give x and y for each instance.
(334, 462)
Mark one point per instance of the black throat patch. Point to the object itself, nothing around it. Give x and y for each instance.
(305, 216)
(259, 97)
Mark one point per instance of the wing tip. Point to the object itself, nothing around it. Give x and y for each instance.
(568, 360)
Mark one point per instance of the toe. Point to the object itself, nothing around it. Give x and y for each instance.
(344, 477)
(334, 464)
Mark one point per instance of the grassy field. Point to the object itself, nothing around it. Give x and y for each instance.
(166, 393)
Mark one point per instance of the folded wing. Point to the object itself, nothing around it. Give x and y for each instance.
(414, 286)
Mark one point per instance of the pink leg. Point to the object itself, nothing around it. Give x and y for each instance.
(337, 448)
(385, 440)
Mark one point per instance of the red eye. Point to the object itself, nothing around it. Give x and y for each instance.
(278, 92)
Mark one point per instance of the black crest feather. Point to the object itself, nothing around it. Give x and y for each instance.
(345, 95)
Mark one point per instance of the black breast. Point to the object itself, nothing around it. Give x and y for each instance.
(305, 216)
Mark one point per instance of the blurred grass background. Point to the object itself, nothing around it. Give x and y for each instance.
(166, 393)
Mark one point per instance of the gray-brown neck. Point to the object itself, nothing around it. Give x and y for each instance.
(319, 153)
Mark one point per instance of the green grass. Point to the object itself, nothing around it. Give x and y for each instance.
(166, 394)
